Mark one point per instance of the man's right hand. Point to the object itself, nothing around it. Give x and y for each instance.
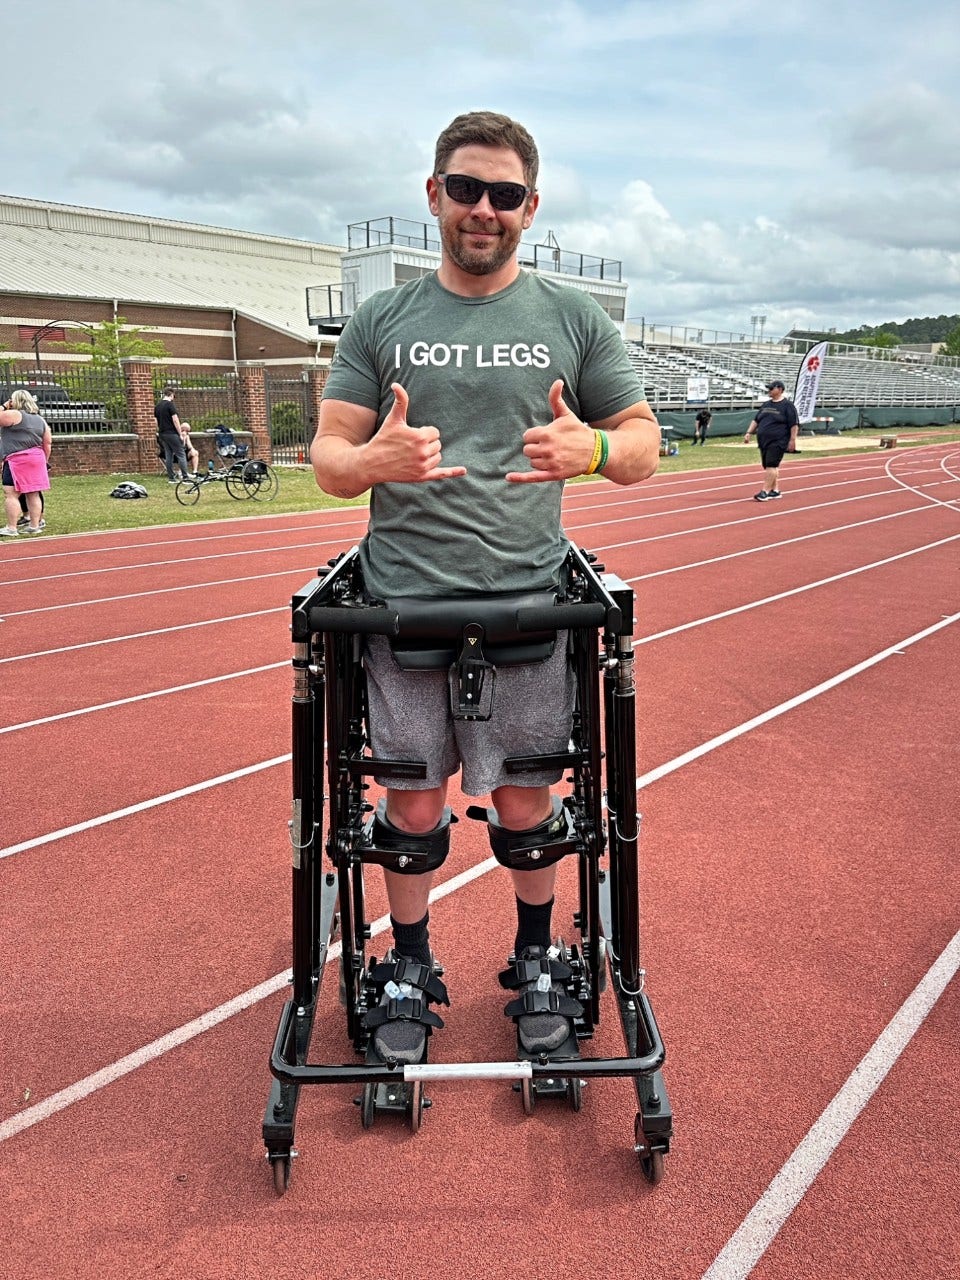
(400, 453)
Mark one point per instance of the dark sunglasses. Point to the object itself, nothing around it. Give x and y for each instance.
(463, 189)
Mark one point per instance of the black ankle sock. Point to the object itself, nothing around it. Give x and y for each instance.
(533, 925)
(412, 940)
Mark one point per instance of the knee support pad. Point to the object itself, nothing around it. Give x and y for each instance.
(540, 846)
(407, 852)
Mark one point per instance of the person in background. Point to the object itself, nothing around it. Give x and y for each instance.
(776, 424)
(25, 442)
(193, 457)
(170, 435)
(701, 423)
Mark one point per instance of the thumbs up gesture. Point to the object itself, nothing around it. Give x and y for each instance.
(559, 450)
(404, 453)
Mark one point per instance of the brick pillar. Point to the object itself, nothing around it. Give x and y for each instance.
(316, 381)
(253, 407)
(138, 385)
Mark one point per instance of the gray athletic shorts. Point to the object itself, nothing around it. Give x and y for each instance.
(409, 714)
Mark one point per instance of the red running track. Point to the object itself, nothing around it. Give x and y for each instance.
(799, 680)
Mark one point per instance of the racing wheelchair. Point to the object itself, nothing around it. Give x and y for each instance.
(331, 618)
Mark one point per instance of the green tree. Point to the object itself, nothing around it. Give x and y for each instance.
(951, 345)
(879, 338)
(111, 341)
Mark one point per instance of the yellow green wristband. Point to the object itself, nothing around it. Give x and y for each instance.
(604, 450)
(597, 453)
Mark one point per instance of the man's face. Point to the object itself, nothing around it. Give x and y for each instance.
(478, 238)
(776, 393)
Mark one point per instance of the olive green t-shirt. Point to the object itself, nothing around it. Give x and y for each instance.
(480, 370)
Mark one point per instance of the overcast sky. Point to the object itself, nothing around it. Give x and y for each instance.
(798, 161)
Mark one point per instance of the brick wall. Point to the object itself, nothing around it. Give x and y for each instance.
(104, 455)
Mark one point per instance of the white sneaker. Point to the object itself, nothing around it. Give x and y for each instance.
(9, 533)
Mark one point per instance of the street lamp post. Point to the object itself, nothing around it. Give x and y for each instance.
(47, 329)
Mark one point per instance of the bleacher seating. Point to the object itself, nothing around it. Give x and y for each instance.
(738, 374)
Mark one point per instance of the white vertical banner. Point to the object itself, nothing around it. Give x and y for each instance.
(808, 381)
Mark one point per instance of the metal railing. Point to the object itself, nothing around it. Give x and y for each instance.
(73, 397)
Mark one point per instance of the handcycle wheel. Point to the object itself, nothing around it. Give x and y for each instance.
(187, 492)
(235, 486)
(260, 481)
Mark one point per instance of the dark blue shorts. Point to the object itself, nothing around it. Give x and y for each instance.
(771, 452)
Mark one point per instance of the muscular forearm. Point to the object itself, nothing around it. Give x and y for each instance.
(339, 466)
(634, 451)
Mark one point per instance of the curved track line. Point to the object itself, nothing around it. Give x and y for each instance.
(758, 1230)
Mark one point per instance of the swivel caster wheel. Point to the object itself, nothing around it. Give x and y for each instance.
(651, 1162)
(281, 1173)
(367, 1108)
(527, 1097)
(416, 1106)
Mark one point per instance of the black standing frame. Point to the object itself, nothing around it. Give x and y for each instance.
(331, 617)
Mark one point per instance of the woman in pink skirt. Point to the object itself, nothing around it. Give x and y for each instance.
(25, 441)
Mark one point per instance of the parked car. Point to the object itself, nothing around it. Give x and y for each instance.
(56, 406)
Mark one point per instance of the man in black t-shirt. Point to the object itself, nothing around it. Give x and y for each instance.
(702, 422)
(170, 435)
(776, 424)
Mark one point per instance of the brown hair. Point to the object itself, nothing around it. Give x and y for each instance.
(488, 129)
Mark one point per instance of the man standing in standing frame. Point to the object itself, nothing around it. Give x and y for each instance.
(464, 400)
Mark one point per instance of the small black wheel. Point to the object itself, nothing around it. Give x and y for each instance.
(575, 1093)
(367, 1109)
(187, 493)
(416, 1106)
(281, 1173)
(651, 1162)
(527, 1097)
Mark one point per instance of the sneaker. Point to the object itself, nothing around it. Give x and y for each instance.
(542, 1010)
(774, 493)
(762, 496)
(31, 529)
(9, 533)
(402, 1021)
(24, 520)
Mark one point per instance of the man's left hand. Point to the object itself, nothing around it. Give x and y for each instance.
(561, 449)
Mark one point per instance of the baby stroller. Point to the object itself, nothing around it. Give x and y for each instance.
(226, 444)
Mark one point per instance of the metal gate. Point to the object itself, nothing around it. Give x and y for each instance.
(289, 418)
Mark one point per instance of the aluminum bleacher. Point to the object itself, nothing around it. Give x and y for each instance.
(739, 371)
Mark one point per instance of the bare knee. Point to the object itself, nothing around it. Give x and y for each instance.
(416, 811)
(520, 808)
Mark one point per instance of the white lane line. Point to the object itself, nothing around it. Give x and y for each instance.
(773, 546)
(143, 805)
(100, 1079)
(206, 1022)
(142, 697)
(793, 591)
(317, 545)
(732, 524)
(762, 1224)
(765, 716)
(161, 591)
(142, 635)
(57, 552)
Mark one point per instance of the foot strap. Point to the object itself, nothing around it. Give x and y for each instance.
(406, 988)
(537, 979)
